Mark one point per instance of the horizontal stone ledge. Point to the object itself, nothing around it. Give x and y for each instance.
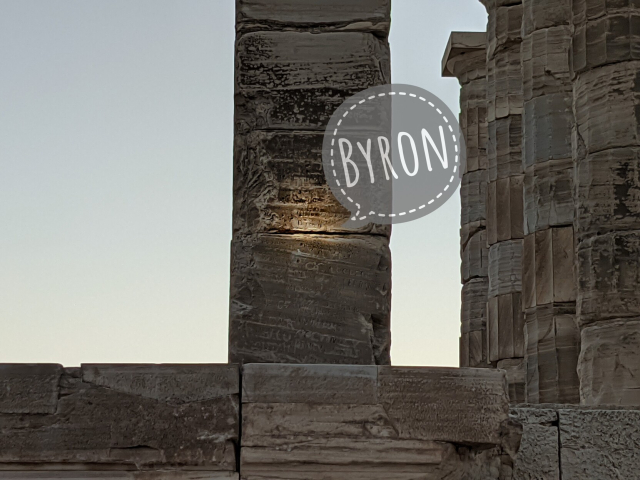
(314, 15)
(119, 416)
(115, 475)
(439, 404)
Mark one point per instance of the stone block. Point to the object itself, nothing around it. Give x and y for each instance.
(404, 429)
(607, 187)
(504, 147)
(505, 268)
(609, 39)
(115, 475)
(548, 124)
(130, 420)
(599, 444)
(473, 197)
(505, 209)
(608, 275)
(515, 372)
(296, 80)
(315, 15)
(504, 27)
(29, 388)
(545, 60)
(609, 364)
(504, 84)
(548, 270)
(548, 195)
(280, 186)
(542, 14)
(475, 257)
(310, 299)
(505, 327)
(473, 352)
(552, 346)
(606, 104)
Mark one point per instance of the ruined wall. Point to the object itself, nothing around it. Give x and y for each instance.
(303, 288)
(119, 421)
(577, 443)
(191, 422)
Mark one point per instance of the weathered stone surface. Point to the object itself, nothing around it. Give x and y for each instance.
(29, 388)
(326, 384)
(609, 364)
(473, 196)
(606, 106)
(545, 58)
(115, 475)
(310, 299)
(543, 14)
(505, 268)
(548, 272)
(504, 148)
(611, 36)
(538, 457)
(405, 429)
(552, 344)
(173, 384)
(473, 352)
(315, 15)
(475, 257)
(504, 84)
(505, 327)
(504, 27)
(609, 274)
(505, 209)
(599, 444)
(548, 195)
(548, 123)
(608, 187)
(296, 80)
(131, 421)
(515, 370)
(280, 186)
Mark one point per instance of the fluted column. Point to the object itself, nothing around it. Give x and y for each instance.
(606, 150)
(552, 339)
(505, 232)
(466, 59)
(304, 289)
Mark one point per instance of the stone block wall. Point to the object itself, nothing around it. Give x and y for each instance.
(577, 443)
(152, 422)
(127, 420)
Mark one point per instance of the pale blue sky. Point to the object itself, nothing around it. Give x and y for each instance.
(116, 121)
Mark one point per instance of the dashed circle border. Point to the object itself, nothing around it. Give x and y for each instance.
(401, 214)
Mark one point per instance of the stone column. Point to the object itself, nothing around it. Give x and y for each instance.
(552, 338)
(606, 62)
(303, 288)
(466, 59)
(505, 232)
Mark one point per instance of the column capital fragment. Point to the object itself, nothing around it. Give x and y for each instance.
(465, 51)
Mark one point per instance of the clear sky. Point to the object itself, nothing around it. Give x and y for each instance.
(116, 121)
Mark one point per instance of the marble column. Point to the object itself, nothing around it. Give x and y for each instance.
(466, 58)
(304, 289)
(505, 229)
(606, 152)
(552, 338)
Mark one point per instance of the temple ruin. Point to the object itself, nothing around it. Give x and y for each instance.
(549, 384)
